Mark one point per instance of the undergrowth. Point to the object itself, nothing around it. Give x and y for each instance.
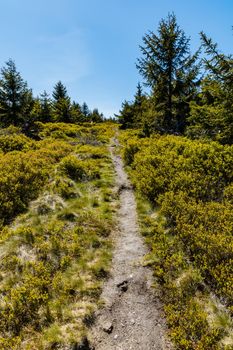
(184, 192)
(55, 255)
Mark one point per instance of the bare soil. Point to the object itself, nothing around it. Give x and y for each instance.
(131, 317)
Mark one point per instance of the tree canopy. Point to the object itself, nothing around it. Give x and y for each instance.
(171, 71)
(189, 94)
(19, 107)
(16, 99)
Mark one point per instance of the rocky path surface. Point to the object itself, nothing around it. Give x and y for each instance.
(131, 317)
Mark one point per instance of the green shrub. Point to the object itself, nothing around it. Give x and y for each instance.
(90, 151)
(190, 329)
(228, 193)
(53, 257)
(191, 242)
(79, 170)
(172, 163)
(15, 142)
(59, 130)
(24, 174)
(65, 187)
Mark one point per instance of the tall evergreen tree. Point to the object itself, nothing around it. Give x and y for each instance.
(132, 113)
(85, 110)
(139, 95)
(171, 71)
(139, 106)
(126, 115)
(59, 91)
(45, 108)
(61, 104)
(62, 111)
(218, 64)
(212, 114)
(76, 113)
(16, 99)
(96, 116)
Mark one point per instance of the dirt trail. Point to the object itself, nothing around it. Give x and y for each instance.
(131, 318)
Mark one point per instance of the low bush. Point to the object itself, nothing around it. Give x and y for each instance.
(79, 170)
(191, 243)
(15, 142)
(24, 174)
(54, 256)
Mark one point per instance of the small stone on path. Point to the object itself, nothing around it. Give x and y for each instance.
(108, 327)
(123, 286)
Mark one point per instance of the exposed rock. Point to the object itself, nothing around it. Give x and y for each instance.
(123, 286)
(108, 327)
(83, 346)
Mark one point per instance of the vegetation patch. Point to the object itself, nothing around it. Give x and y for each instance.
(55, 256)
(185, 210)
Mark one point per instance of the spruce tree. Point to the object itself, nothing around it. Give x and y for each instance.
(62, 111)
(96, 116)
(139, 106)
(217, 63)
(132, 113)
(126, 115)
(76, 113)
(85, 110)
(16, 99)
(139, 95)
(212, 114)
(59, 91)
(170, 71)
(45, 115)
(61, 104)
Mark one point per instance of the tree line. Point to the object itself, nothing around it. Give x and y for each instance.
(20, 108)
(190, 94)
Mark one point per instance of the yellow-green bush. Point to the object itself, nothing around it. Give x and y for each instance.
(11, 130)
(54, 256)
(191, 245)
(90, 151)
(27, 164)
(15, 142)
(205, 229)
(65, 187)
(228, 193)
(59, 130)
(79, 170)
(190, 328)
(52, 150)
(23, 175)
(171, 163)
(85, 133)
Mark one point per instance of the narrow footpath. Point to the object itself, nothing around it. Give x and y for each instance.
(131, 318)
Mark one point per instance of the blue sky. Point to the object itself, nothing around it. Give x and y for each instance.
(92, 45)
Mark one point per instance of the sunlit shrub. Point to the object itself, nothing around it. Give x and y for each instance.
(95, 152)
(79, 170)
(192, 247)
(174, 163)
(59, 130)
(23, 175)
(15, 142)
